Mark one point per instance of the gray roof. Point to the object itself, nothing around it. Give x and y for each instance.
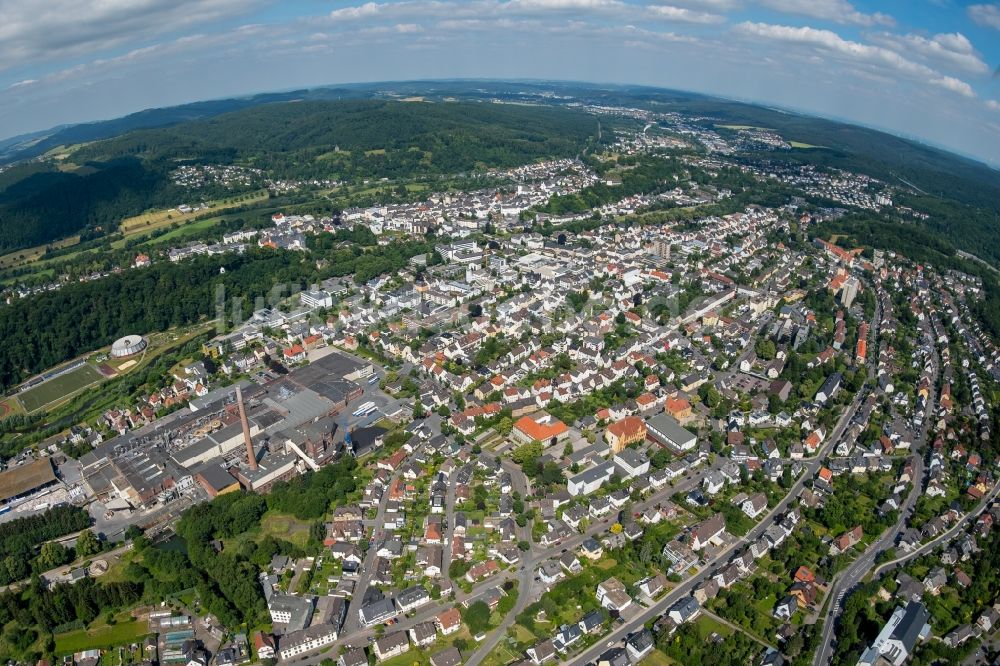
(912, 625)
(670, 428)
(412, 595)
(594, 473)
(377, 609)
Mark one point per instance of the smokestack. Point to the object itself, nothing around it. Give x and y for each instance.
(251, 454)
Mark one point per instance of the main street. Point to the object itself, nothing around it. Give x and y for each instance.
(846, 580)
(686, 587)
(857, 569)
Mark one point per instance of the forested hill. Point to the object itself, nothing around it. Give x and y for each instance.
(364, 138)
(345, 140)
(37, 143)
(39, 203)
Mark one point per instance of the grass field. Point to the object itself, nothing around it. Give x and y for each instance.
(58, 388)
(28, 255)
(657, 658)
(10, 406)
(284, 526)
(100, 637)
(708, 626)
(186, 230)
(153, 220)
(799, 144)
(742, 127)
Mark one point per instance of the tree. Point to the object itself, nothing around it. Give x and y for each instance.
(52, 555)
(578, 299)
(527, 452)
(87, 544)
(477, 616)
(765, 349)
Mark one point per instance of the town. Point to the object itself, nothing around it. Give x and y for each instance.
(568, 439)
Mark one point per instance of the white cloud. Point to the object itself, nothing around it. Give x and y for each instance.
(950, 50)
(32, 31)
(836, 11)
(481, 10)
(563, 5)
(367, 10)
(708, 5)
(836, 46)
(22, 83)
(987, 15)
(993, 104)
(683, 15)
(954, 85)
(181, 46)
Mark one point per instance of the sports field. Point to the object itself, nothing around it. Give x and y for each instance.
(58, 388)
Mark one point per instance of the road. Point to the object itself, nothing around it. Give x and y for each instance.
(943, 538)
(353, 621)
(526, 575)
(685, 588)
(850, 577)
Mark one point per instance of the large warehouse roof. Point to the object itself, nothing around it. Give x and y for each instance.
(25, 478)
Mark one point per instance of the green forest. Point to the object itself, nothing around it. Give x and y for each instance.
(55, 326)
(363, 138)
(39, 205)
(344, 140)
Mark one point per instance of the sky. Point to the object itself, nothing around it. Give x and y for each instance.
(926, 69)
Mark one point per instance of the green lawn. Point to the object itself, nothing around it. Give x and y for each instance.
(59, 387)
(707, 626)
(101, 637)
(657, 658)
(285, 526)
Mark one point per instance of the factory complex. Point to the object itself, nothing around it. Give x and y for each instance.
(246, 436)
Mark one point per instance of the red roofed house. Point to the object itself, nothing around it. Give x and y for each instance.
(679, 408)
(543, 427)
(620, 434)
(846, 540)
(804, 575)
(448, 621)
(295, 354)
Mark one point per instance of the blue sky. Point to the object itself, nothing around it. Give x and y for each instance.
(921, 68)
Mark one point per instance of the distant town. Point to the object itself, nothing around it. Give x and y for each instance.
(569, 438)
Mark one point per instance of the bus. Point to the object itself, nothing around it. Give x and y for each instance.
(365, 409)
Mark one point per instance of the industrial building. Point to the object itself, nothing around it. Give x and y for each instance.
(21, 481)
(245, 436)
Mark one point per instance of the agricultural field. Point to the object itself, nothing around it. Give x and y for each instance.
(28, 255)
(152, 220)
(59, 388)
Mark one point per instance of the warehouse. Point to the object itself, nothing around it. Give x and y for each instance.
(23, 480)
